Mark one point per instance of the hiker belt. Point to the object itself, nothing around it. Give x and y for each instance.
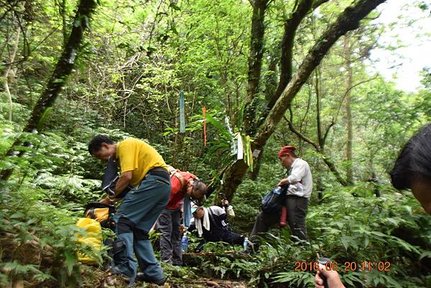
(159, 171)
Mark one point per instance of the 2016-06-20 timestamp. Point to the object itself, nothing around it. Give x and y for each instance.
(349, 266)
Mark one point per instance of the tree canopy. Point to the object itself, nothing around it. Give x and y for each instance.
(264, 73)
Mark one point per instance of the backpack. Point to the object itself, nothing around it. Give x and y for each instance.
(102, 213)
(274, 199)
(110, 178)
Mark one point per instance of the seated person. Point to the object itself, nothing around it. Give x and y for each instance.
(211, 224)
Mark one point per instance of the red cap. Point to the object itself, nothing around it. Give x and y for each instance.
(285, 150)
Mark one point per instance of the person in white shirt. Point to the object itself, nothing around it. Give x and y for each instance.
(212, 225)
(300, 183)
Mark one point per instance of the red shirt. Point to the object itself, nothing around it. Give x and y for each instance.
(178, 191)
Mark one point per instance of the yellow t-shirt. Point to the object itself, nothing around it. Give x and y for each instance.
(139, 157)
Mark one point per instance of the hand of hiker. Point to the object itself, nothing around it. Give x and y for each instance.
(283, 182)
(332, 278)
(182, 229)
(106, 201)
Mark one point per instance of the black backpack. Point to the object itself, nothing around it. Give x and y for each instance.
(110, 178)
(274, 199)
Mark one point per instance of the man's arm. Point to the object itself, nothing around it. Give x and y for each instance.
(283, 182)
(123, 182)
(296, 174)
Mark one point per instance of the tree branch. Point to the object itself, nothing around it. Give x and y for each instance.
(254, 63)
(321, 152)
(347, 92)
(58, 79)
(287, 43)
(300, 135)
(347, 21)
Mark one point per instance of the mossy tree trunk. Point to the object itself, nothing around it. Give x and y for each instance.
(63, 69)
(348, 20)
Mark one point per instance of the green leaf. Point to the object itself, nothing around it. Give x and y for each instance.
(70, 261)
(425, 254)
(345, 240)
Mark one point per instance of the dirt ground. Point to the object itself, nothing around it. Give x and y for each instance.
(115, 282)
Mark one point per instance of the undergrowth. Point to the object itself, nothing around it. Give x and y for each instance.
(39, 208)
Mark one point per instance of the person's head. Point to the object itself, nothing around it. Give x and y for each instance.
(198, 212)
(101, 147)
(287, 156)
(196, 189)
(412, 169)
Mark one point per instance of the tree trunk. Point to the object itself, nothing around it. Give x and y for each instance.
(270, 87)
(349, 83)
(8, 69)
(62, 12)
(232, 177)
(290, 27)
(254, 63)
(301, 10)
(348, 20)
(58, 79)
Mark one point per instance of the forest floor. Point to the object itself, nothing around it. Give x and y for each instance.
(112, 282)
(103, 279)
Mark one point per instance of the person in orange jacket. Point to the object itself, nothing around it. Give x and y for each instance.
(185, 187)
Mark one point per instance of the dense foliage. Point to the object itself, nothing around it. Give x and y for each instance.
(347, 122)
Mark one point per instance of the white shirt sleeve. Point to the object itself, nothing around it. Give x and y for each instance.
(298, 172)
(300, 179)
(229, 211)
(216, 210)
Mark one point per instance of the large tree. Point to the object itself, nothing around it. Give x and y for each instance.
(56, 82)
(263, 126)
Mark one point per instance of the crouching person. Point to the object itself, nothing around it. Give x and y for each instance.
(143, 168)
(211, 224)
(185, 187)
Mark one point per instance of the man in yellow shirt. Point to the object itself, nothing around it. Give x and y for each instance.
(142, 167)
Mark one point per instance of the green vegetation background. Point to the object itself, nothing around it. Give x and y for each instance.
(133, 63)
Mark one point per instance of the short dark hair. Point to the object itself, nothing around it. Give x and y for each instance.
(199, 190)
(96, 143)
(414, 160)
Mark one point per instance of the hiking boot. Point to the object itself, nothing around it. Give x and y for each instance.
(141, 277)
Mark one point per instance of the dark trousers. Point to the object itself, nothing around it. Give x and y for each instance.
(227, 236)
(296, 213)
(170, 237)
(233, 238)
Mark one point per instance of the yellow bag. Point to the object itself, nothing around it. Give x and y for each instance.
(102, 213)
(99, 214)
(92, 238)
